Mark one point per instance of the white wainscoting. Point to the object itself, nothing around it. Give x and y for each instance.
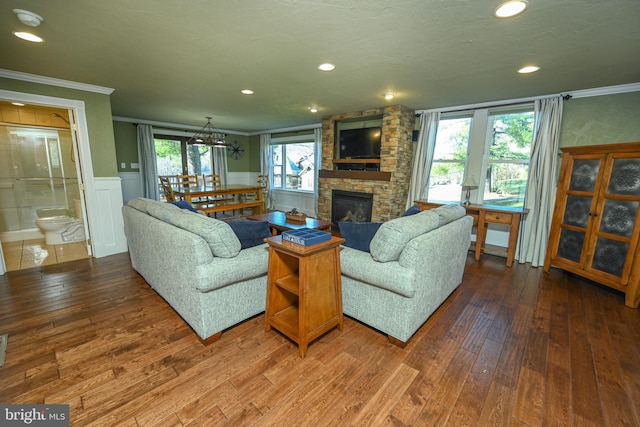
(131, 185)
(105, 218)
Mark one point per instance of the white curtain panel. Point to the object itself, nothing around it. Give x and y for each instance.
(423, 157)
(265, 164)
(318, 162)
(541, 186)
(147, 160)
(219, 155)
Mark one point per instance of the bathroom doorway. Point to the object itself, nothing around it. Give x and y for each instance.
(40, 177)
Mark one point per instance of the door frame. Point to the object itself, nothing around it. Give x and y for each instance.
(80, 137)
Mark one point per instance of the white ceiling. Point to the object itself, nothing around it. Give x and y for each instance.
(178, 61)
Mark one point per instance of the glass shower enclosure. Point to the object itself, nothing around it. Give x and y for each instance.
(38, 177)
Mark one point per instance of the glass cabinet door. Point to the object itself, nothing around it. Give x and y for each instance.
(580, 202)
(616, 229)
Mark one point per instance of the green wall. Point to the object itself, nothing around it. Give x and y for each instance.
(606, 119)
(98, 113)
(127, 149)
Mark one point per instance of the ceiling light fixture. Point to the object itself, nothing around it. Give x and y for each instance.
(18, 104)
(247, 91)
(28, 37)
(389, 96)
(28, 18)
(313, 109)
(510, 8)
(209, 135)
(528, 69)
(326, 67)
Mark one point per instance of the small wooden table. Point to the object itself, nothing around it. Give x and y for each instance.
(483, 215)
(278, 222)
(304, 289)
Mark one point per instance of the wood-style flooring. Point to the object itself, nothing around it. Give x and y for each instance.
(512, 346)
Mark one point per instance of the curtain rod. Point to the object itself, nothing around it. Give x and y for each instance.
(490, 105)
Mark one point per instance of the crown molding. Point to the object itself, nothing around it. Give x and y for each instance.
(33, 78)
(607, 90)
(585, 93)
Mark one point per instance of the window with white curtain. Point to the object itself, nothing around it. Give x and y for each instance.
(293, 163)
(491, 146)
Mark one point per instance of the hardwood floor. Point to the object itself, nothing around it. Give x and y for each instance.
(510, 347)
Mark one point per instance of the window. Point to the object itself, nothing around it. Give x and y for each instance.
(509, 148)
(293, 163)
(175, 157)
(449, 159)
(492, 146)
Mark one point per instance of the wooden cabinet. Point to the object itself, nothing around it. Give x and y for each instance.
(304, 289)
(596, 219)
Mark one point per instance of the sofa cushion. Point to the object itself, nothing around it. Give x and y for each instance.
(358, 235)
(250, 233)
(218, 235)
(449, 213)
(163, 211)
(141, 204)
(391, 238)
(389, 275)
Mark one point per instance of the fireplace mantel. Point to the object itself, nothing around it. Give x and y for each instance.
(364, 175)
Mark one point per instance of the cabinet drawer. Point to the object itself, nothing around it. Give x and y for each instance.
(498, 218)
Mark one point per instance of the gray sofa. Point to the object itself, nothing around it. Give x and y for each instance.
(196, 264)
(415, 263)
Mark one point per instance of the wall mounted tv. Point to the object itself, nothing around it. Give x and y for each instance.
(363, 143)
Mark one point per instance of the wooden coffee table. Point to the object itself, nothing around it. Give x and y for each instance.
(278, 222)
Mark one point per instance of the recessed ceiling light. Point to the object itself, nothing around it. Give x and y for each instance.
(510, 8)
(28, 37)
(313, 109)
(326, 67)
(389, 95)
(247, 91)
(528, 69)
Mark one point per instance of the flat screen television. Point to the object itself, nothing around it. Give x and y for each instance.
(363, 143)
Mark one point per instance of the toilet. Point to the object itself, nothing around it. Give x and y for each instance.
(58, 227)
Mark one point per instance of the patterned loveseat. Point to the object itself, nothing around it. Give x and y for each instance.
(196, 264)
(415, 262)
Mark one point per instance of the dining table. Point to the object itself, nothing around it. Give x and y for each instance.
(219, 198)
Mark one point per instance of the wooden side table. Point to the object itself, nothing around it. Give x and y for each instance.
(304, 289)
(483, 215)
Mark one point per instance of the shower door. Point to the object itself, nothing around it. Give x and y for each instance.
(38, 175)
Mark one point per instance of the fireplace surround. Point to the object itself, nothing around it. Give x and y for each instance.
(390, 185)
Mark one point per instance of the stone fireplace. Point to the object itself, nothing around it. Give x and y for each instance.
(350, 206)
(387, 187)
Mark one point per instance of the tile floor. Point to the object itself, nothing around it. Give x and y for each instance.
(34, 253)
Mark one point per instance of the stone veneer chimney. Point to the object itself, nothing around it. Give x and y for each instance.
(390, 186)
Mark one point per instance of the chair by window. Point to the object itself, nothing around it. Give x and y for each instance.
(211, 180)
(187, 180)
(167, 191)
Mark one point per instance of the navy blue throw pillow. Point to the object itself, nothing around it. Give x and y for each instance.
(183, 204)
(250, 233)
(412, 210)
(358, 235)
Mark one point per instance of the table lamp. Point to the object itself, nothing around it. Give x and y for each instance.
(469, 184)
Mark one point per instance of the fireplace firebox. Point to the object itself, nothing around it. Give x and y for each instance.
(350, 206)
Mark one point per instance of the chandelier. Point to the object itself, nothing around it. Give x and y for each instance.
(209, 135)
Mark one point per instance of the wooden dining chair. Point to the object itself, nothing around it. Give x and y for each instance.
(188, 180)
(211, 180)
(167, 191)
